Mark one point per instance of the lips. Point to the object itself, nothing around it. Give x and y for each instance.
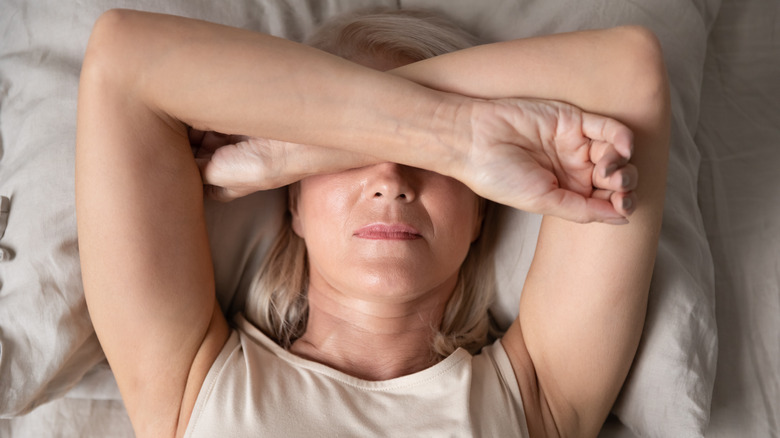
(381, 231)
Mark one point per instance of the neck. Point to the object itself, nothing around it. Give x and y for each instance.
(372, 340)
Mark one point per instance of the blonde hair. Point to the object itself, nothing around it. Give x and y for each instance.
(396, 34)
(277, 300)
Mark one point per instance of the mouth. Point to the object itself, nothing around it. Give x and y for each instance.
(381, 231)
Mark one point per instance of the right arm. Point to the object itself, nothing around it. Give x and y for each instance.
(146, 267)
(224, 79)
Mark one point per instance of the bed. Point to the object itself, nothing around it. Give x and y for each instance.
(709, 360)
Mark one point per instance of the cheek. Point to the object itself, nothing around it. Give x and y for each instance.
(457, 208)
(322, 207)
(323, 217)
(309, 222)
(455, 214)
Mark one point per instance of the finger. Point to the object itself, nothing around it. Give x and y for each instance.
(597, 150)
(211, 175)
(624, 179)
(577, 208)
(607, 159)
(600, 128)
(601, 150)
(604, 195)
(218, 193)
(624, 202)
(214, 140)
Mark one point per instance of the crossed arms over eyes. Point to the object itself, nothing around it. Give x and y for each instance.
(150, 290)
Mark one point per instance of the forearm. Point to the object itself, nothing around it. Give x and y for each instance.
(585, 297)
(559, 67)
(581, 68)
(229, 80)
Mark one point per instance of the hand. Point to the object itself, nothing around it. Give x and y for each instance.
(233, 166)
(552, 158)
(237, 168)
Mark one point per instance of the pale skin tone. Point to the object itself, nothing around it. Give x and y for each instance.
(383, 285)
(151, 290)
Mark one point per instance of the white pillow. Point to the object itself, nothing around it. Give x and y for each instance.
(669, 389)
(47, 343)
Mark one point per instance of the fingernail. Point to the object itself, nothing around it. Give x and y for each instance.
(627, 203)
(611, 168)
(625, 181)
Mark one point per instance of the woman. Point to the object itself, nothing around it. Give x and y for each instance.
(386, 224)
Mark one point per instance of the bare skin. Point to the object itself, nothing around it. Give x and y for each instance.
(134, 110)
(385, 243)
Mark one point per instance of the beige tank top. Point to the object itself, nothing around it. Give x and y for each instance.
(257, 388)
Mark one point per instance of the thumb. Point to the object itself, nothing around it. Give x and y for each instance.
(577, 208)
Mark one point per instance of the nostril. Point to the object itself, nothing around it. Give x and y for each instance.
(398, 196)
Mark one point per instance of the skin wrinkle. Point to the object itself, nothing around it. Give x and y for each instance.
(433, 204)
(380, 307)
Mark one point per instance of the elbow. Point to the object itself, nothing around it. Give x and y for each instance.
(102, 37)
(102, 76)
(640, 89)
(649, 83)
(107, 48)
(647, 109)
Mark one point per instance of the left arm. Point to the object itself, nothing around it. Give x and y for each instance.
(584, 300)
(146, 267)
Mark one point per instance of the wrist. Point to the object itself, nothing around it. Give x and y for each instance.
(295, 161)
(450, 136)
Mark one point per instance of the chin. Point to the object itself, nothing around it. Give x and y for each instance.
(408, 281)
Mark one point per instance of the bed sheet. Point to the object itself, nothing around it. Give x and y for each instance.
(47, 343)
(82, 398)
(739, 194)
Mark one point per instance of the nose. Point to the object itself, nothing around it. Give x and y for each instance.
(389, 182)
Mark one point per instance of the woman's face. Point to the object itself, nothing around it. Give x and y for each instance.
(390, 231)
